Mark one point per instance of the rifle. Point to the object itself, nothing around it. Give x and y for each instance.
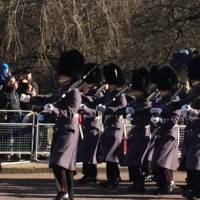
(101, 87)
(76, 84)
(149, 98)
(123, 90)
(152, 96)
(177, 92)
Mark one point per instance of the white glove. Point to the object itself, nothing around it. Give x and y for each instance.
(155, 120)
(185, 109)
(130, 110)
(128, 117)
(156, 111)
(48, 108)
(25, 98)
(40, 117)
(100, 108)
(83, 106)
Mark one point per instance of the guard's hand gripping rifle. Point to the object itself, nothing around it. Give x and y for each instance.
(177, 92)
(153, 96)
(123, 90)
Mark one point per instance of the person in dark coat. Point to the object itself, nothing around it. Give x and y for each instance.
(27, 88)
(191, 149)
(165, 153)
(111, 138)
(64, 105)
(92, 124)
(139, 135)
(10, 101)
(31, 83)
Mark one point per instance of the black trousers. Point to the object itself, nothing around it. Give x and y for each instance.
(147, 169)
(90, 170)
(112, 170)
(64, 180)
(193, 179)
(136, 174)
(164, 176)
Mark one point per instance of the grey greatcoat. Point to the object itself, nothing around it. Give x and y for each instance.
(114, 127)
(92, 129)
(139, 135)
(191, 148)
(66, 133)
(165, 152)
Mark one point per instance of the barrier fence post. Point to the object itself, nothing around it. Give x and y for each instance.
(16, 135)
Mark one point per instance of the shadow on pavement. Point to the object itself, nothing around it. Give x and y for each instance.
(45, 189)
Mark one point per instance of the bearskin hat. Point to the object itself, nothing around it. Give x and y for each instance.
(113, 74)
(181, 57)
(71, 63)
(95, 76)
(194, 69)
(140, 79)
(166, 79)
(154, 73)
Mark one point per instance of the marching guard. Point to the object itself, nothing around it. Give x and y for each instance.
(92, 124)
(64, 106)
(191, 149)
(139, 135)
(111, 138)
(165, 119)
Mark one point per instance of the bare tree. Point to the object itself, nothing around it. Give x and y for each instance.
(131, 33)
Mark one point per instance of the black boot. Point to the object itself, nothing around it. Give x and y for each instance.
(111, 183)
(168, 188)
(189, 193)
(136, 188)
(197, 192)
(149, 178)
(61, 196)
(87, 179)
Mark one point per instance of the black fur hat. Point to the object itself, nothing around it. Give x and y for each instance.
(95, 76)
(113, 74)
(194, 68)
(140, 79)
(71, 63)
(154, 73)
(166, 79)
(180, 58)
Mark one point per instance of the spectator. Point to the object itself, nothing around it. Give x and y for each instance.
(25, 87)
(4, 72)
(32, 85)
(10, 101)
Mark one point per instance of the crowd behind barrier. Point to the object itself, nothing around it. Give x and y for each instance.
(30, 139)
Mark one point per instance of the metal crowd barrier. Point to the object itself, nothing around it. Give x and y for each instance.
(44, 134)
(16, 134)
(33, 137)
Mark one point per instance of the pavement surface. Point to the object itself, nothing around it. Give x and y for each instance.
(35, 181)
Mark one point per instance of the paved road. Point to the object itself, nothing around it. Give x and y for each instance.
(41, 186)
